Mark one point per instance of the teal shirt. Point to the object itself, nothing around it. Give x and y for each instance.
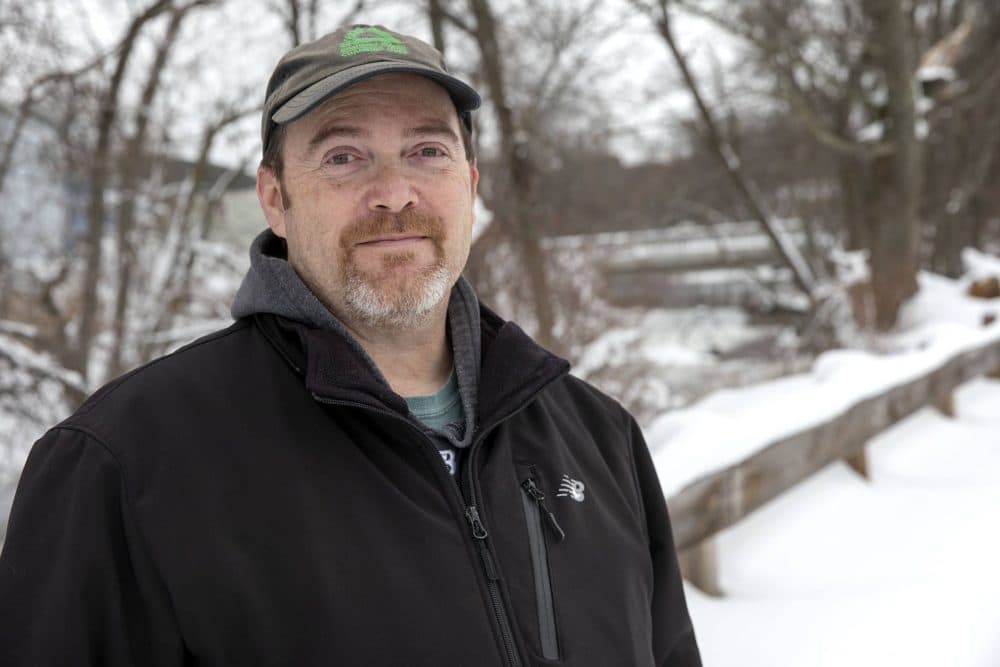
(439, 409)
(442, 407)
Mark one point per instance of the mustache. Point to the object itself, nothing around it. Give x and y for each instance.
(378, 223)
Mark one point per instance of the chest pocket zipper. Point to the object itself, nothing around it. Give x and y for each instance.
(538, 514)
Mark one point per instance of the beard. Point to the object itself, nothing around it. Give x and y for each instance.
(396, 294)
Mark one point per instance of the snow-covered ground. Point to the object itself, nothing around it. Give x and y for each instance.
(900, 569)
(903, 569)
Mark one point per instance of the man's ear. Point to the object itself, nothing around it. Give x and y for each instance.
(271, 202)
(474, 178)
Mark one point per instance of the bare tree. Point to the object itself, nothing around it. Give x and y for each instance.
(520, 170)
(128, 171)
(435, 15)
(962, 88)
(301, 18)
(528, 89)
(845, 71)
(728, 157)
(34, 91)
(173, 282)
(893, 186)
(98, 141)
(97, 212)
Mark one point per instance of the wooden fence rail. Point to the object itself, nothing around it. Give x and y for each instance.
(719, 500)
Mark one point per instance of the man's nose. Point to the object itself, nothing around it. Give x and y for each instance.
(392, 191)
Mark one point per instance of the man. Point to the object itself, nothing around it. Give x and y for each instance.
(368, 467)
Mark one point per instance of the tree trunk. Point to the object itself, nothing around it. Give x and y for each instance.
(436, 17)
(96, 210)
(850, 179)
(893, 188)
(730, 161)
(522, 217)
(129, 181)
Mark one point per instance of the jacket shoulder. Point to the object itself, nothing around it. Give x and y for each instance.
(214, 349)
(168, 386)
(592, 403)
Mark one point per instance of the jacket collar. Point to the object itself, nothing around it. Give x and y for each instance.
(497, 364)
(513, 368)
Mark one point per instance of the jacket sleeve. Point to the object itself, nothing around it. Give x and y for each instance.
(674, 643)
(68, 588)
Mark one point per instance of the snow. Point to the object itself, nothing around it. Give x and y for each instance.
(678, 232)
(482, 220)
(18, 328)
(680, 243)
(851, 266)
(24, 357)
(900, 570)
(708, 249)
(942, 304)
(872, 132)
(731, 425)
(614, 347)
(979, 265)
(936, 73)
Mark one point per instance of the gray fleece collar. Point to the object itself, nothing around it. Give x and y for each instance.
(272, 286)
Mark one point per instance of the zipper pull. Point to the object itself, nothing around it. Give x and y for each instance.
(478, 529)
(536, 494)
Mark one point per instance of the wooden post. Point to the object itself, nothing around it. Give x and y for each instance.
(946, 404)
(859, 461)
(700, 566)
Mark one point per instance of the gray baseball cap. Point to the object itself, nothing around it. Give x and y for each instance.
(315, 71)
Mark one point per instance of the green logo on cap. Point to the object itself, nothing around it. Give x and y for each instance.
(368, 39)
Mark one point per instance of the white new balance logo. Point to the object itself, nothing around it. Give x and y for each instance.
(571, 488)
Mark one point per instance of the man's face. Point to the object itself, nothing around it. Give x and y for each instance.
(379, 221)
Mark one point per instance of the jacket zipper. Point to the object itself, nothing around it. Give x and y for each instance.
(536, 494)
(472, 514)
(469, 504)
(492, 578)
(535, 509)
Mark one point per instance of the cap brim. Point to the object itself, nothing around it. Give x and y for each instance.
(464, 96)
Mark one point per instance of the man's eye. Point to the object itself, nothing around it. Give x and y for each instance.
(431, 151)
(342, 158)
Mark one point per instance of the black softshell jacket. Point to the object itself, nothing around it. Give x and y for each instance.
(257, 499)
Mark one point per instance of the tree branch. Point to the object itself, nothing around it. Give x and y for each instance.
(458, 22)
(731, 163)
